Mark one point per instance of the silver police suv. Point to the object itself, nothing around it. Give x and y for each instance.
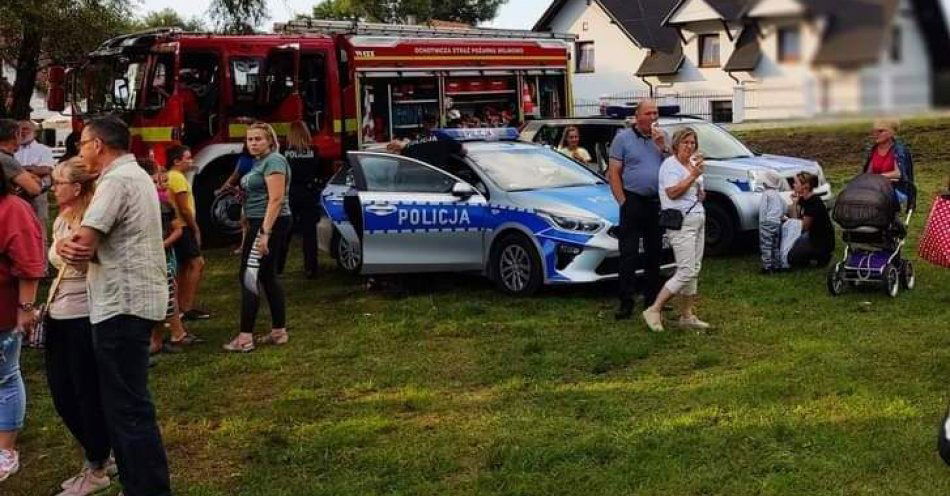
(733, 171)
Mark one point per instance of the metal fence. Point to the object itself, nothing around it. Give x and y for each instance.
(715, 106)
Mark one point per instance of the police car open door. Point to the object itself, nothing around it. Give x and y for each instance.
(415, 217)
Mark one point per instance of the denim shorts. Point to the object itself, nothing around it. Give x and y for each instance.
(12, 392)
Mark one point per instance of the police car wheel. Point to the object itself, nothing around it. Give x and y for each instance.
(516, 267)
(349, 258)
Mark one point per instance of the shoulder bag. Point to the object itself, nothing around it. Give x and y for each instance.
(37, 338)
(672, 218)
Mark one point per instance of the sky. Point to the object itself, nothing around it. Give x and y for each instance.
(516, 14)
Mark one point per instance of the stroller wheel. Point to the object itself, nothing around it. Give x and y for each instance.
(836, 279)
(891, 280)
(908, 277)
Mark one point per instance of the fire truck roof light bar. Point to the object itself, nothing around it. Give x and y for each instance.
(318, 26)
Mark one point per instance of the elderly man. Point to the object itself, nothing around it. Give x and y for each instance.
(37, 159)
(635, 158)
(121, 240)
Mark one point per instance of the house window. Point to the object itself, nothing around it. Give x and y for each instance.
(789, 44)
(896, 44)
(721, 110)
(709, 50)
(585, 56)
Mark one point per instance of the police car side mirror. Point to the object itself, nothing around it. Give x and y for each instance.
(463, 191)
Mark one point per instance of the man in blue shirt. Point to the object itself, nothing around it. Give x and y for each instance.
(635, 157)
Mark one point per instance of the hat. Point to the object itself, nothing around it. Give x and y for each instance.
(772, 180)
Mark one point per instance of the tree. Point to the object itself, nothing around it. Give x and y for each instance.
(238, 16)
(36, 33)
(167, 18)
(398, 11)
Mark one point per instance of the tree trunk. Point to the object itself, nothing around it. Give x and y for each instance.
(27, 65)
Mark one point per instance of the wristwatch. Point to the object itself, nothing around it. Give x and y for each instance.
(26, 307)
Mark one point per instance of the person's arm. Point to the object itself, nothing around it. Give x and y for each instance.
(616, 180)
(276, 184)
(39, 170)
(680, 188)
(230, 182)
(26, 293)
(181, 202)
(28, 182)
(173, 236)
(81, 247)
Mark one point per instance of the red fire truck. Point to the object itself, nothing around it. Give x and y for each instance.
(353, 84)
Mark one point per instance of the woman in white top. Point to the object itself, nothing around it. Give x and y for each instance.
(681, 188)
(570, 145)
(71, 367)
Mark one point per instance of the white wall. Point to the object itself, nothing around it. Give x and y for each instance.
(616, 57)
(903, 85)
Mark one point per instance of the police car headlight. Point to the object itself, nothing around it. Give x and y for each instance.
(576, 224)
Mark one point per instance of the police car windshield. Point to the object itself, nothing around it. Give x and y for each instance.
(527, 168)
(715, 143)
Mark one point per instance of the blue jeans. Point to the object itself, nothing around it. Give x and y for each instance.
(121, 348)
(12, 392)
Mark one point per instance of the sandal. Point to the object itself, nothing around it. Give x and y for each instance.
(275, 338)
(236, 346)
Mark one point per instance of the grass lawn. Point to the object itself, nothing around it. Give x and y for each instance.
(450, 388)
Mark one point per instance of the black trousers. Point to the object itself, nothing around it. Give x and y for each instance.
(266, 275)
(121, 349)
(804, 251)
(639, 220)
(73, 377)
(305, 211)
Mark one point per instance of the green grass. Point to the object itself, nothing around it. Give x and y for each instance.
(452, 388)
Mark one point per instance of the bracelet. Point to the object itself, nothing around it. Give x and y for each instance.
(265, 233)
(26, 306)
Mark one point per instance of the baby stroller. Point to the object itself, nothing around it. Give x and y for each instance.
(868, 212)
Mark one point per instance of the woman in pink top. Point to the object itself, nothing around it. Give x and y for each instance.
(21, 267)
(71, 368)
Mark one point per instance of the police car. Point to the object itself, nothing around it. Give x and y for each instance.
(519, 213)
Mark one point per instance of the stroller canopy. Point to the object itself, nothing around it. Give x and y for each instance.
(867, 200)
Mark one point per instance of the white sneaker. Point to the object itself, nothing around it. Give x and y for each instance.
(653, 319)
(88, 483)
(68, 483)
(9, 463)
(693, 322)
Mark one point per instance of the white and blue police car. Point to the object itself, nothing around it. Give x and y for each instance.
(521, 214)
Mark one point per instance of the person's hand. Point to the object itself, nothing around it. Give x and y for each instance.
(659, 137)
(701, 195)
(74, 252)
(26, 320)
(224, 188)
(261, 245)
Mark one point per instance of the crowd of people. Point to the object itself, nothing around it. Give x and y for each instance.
(125, 264)
(126, 260)
(653, 181)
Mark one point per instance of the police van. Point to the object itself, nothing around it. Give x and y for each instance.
(521, 214)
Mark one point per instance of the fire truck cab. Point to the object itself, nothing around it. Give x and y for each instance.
(353, 85)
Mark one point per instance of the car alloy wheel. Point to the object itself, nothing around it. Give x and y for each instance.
(348, 255)
(515, 268)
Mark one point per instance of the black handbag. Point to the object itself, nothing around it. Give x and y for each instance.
(672, 218)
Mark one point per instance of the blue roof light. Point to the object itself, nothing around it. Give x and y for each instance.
(478, 134)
